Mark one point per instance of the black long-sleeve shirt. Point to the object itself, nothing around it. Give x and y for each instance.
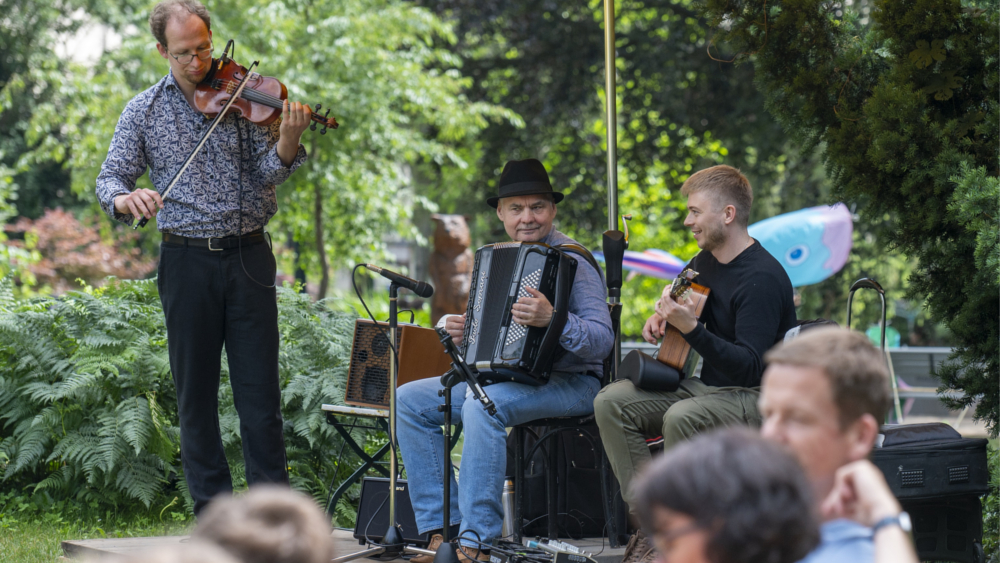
(749, 309)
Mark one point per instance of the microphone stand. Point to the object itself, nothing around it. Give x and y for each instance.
(458, 373)
(392, 545)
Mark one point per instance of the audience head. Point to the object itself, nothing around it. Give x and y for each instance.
(727, 497)
(269, 524)
(823, 396)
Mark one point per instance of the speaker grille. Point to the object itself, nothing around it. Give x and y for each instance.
(368, 377)
(912, 478)
(958, 474)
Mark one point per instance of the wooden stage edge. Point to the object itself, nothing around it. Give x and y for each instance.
(344, 543)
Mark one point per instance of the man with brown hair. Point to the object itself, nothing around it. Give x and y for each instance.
(822, 397)
(216, 272)
(748, 310)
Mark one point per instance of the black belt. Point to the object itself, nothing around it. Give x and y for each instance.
(216, 243)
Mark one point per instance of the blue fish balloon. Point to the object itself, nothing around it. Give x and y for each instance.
(811, 244)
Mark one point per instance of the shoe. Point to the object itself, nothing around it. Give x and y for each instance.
(639, 549)
(476, 554)
(435, 543)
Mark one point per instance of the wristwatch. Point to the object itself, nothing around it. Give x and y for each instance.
(902, 520)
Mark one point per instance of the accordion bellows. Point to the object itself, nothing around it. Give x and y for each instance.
(496, 346)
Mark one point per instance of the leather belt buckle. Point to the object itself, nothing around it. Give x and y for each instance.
(210, 247)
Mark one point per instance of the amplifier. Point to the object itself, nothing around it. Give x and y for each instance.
(931, 461)
(421, 355)
(373, 512)
(947, 529)
(937, 475)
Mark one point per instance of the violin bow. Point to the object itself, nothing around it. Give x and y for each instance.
(215, 123)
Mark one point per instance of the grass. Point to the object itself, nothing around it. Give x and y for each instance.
(40, 542)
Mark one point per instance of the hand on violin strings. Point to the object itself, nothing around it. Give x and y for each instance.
(140, 203)
(532, 311)
(295, 117)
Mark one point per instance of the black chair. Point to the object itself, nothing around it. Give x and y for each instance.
(613, 507)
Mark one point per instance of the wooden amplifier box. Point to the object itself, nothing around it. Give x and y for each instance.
(421, 355)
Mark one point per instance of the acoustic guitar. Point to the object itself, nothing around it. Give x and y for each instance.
(674, 350)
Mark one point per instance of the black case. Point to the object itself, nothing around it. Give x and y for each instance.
(929, 461)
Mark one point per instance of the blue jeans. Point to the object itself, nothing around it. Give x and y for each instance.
(475, 502)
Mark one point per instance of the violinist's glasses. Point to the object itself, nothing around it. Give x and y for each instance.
(203, 54)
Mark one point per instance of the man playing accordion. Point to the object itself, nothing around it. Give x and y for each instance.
(526, 204)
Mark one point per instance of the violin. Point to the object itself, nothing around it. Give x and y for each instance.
(260, 102)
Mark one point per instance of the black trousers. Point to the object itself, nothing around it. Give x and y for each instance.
(209, 302)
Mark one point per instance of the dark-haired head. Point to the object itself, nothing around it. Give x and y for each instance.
(747, 497)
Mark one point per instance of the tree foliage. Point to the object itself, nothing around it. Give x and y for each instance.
(397, 94)
(88, 409)
(680, 109)
(907, 113)
(69, 251)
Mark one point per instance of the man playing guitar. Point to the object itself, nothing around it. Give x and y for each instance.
(748, 310)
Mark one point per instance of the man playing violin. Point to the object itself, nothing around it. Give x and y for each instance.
(748, 310)
(216, 274)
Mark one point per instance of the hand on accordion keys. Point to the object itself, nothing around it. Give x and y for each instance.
(532, 311)
(455, 325)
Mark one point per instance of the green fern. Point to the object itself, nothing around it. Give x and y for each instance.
(88, 410)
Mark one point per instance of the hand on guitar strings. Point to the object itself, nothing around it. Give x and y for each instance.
(532, 311)
(682, 315)
(654, 329)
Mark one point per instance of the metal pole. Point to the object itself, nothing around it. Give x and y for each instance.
(611, 105)
(393, 539)
(612, 114)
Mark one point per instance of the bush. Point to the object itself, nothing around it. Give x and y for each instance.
(991, 507)
(88, 411)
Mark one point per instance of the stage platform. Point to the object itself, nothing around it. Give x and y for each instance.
(343, 540)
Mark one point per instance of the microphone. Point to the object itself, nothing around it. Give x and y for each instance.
(423, 289)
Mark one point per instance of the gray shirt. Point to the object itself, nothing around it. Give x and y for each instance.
(587, 336)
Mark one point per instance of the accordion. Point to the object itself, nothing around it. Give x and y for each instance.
(493, 344)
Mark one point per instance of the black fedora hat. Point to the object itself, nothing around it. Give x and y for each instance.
(524, 177)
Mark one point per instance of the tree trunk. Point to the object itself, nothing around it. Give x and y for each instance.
(324, 282)
(324, 268)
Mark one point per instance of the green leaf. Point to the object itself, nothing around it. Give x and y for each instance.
(925, 55)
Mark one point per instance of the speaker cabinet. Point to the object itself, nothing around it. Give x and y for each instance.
(421, 355)
(373, 512)
(947, 529)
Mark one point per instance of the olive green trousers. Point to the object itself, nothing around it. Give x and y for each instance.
(627, 416)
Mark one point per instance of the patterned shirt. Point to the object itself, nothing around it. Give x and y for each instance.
(158, 130)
